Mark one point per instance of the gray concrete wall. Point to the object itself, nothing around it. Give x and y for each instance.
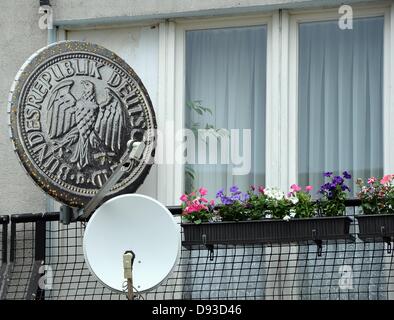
(73, 11)
(20, 36)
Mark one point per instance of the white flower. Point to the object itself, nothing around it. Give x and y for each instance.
(293, 200)
(292, 213)
(274, 193)
(286, 218)
(268, 216)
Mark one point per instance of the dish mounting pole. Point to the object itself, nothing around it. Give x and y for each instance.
(133, 154)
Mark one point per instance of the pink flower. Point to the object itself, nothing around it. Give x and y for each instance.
(252, 187)
(261, 189)
(295, 187)
(204, 200)
(386, 179)
(183, 198)
(190, 209)
(195, 206)
(308, 188)
(203, 191)
(212, 202)
(371, 180)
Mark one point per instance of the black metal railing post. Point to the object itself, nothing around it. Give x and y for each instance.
(13, 241)
(39, 257)
(4, 220)
(40, 251)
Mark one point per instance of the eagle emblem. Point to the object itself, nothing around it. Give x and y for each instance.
(80, 126)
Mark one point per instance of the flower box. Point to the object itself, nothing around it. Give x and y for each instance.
(267, 231)
(376, 227)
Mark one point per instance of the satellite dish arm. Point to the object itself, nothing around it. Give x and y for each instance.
(134, 153)
(128, 260)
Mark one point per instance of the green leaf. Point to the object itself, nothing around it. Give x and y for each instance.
(198, 221)
(208, 110)
(199, 111)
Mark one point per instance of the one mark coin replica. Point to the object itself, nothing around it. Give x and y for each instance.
(73, 106)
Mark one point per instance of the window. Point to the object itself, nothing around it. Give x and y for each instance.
(340, 99)
(226, 88)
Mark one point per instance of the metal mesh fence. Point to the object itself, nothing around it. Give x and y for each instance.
(21, 260)
(66, 266)
(344, 269)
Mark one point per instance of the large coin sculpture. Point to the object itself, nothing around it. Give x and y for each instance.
(73, 107)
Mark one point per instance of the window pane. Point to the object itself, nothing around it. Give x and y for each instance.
(226, 72)
(340, 102)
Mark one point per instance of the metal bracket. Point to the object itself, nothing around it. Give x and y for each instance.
(318, 242)
(211, 251)
(208, 246)
(134, 152)
(386, 239)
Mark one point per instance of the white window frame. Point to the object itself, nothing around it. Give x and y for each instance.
(289, 79)
(172, 84)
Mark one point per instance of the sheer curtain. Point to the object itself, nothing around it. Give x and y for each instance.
(340, 116)
(226, 72)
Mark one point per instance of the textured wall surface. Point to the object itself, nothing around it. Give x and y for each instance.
(20, 36)
(68, 10)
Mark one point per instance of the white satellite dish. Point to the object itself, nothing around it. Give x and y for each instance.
(131, 222)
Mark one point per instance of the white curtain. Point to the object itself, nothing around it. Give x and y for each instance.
(340, 99)
(226, 72)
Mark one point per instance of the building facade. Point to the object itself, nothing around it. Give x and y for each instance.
(311, 80)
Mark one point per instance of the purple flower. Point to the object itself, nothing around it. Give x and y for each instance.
(332, 186)
(347, 175)
(234, 189)
(337, 180)
(246, 197)
(345, 187)
(325, 187)
(235, 197)
(327, 174)
(226, 200)
(220, 193)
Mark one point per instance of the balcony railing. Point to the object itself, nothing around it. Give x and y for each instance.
(46, 262)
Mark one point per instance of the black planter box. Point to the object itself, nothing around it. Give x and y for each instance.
(376, 227)
(269, 230)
